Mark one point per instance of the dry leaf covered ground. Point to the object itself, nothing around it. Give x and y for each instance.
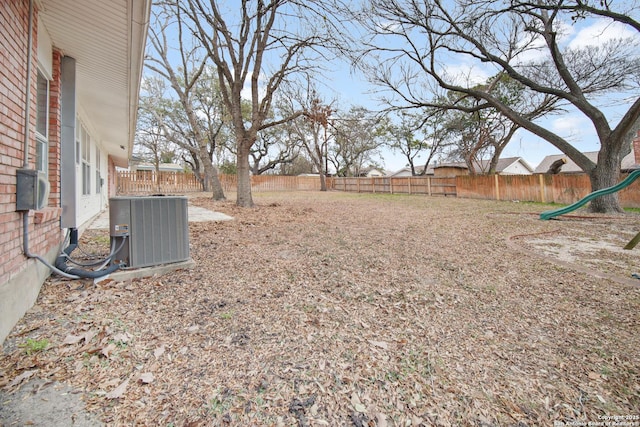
(334, 309)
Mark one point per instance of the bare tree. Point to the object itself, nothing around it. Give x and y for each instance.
(357, 137)
(260, 44)
(300, 165)
(164, 117)
(475, 136)
(150, 142)
(485, 132)
(418, 134)
(186, 75)
(310, 131)
(271, 150)
(412, 42)
(272, 147)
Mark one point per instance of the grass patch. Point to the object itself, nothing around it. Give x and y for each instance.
(34, 346)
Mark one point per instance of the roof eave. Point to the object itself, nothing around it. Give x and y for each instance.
(108, 40)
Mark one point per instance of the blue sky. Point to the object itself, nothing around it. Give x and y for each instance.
(351, 89)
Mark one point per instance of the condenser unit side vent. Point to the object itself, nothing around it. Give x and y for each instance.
(157, 227)
(161, 231)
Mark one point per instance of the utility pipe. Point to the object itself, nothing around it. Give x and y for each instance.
(25, 163)
(71, 273)
(27, 90)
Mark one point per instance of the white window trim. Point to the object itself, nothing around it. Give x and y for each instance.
(98, 173)
(85, 159)
(42, 139)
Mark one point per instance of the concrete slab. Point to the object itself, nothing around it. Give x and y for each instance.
(154, 270)
(45, 403)
(198, 214)
(195, 214)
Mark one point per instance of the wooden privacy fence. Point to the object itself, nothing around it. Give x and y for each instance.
(560, 188)
(148, 182)
(275, 183)
(403, 185)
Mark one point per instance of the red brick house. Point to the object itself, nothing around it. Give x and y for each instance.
(69, 79)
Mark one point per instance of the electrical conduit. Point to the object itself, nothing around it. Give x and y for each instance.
(70, 273)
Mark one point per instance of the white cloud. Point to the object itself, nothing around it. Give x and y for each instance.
(599, 32)
(387, 27)
(595, 32)
(576, 129)
(568, 126)
(536, 46)
(565, 31)
(467, 75)
(262, 89)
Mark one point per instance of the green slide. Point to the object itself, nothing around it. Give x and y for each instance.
(619, 186)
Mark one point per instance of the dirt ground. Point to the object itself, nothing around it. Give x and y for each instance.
(336, 309)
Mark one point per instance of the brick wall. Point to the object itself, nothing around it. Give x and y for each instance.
(13, 16)
(44, 226)
(54, 131)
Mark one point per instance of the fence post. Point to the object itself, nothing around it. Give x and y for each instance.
(429, 186)
(495, 178)
(409, 178)
(541, 180)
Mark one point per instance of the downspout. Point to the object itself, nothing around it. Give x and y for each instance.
(25, 163)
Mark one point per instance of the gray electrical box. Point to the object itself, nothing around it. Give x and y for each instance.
(32, 189)
(149, 230)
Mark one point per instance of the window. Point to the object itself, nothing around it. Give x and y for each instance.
(78, 140)
(42, 124)
(98, 178)
(86, 162)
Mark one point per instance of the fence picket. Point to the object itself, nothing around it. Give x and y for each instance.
(150, 182)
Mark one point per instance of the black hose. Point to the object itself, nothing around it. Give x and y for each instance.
(112, 252)
(61, 261)
(85, 274)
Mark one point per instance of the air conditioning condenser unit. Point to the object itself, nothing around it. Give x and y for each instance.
(149, 230)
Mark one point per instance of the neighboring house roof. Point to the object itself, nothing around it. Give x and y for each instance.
(568, 167)
(107, 39)
(454, 165)
(507, 165)
(628, 162)
(406, 171)
(163, 167)
(372, 171)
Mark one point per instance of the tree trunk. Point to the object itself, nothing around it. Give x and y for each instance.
(493, 164)
(157, 180)
(317, 161)
(323, 181)
(214, 182)
(211, 179)
(206, 183)
(244, 198)
(606, 174)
